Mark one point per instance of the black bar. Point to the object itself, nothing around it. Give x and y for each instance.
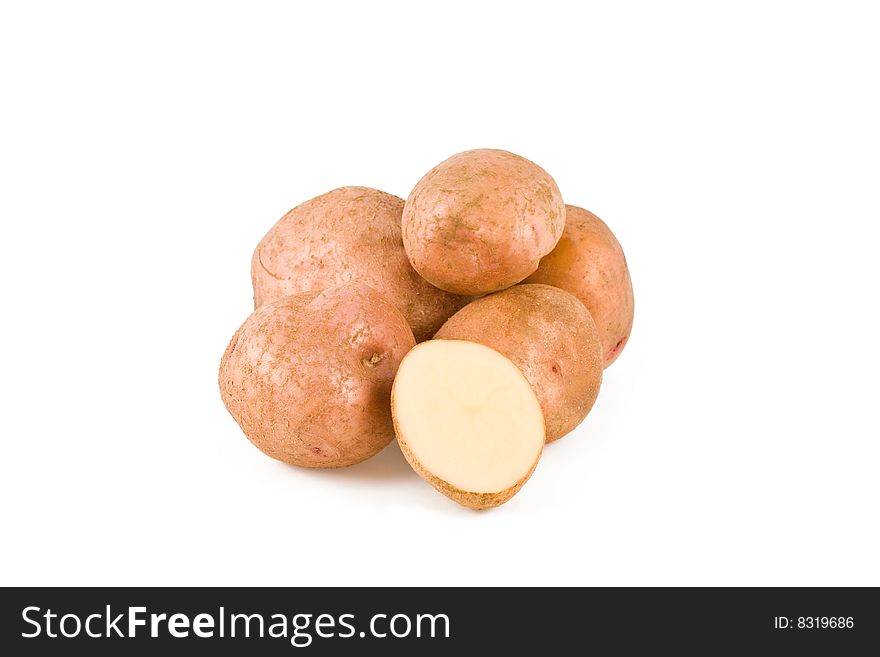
(832, 621)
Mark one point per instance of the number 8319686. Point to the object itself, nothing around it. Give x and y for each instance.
(814, 622)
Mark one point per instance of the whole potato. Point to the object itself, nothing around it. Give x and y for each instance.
(308, 376)
(481, 221)
(589, 263)
(348, 234)
(549, 335)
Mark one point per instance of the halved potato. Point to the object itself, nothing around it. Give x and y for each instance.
(467, 421)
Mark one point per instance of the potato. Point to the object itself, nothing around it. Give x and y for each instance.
(550, 337)
(589, 263)
(481, 221)
(308, 376)
(467, 421)
(348, 234)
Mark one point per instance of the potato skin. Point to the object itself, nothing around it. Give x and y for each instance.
(308, 377)
(481, 221)
(348, 234)
(589, 263)
(550, 336)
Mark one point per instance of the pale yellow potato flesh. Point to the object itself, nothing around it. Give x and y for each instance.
(467, 420)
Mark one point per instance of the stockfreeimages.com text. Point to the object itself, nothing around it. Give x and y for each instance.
(300, 629)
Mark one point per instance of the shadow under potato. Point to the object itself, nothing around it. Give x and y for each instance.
(387, 465)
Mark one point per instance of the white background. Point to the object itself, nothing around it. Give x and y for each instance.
(145, 149)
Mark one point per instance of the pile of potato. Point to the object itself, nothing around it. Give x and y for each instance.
(473, 321)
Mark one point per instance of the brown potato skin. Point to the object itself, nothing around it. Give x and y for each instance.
(348, 234)
(308, 377)
(589, 263)
(549, 335)
(481, 221)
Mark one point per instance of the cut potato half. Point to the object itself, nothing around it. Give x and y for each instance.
(467, 421)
